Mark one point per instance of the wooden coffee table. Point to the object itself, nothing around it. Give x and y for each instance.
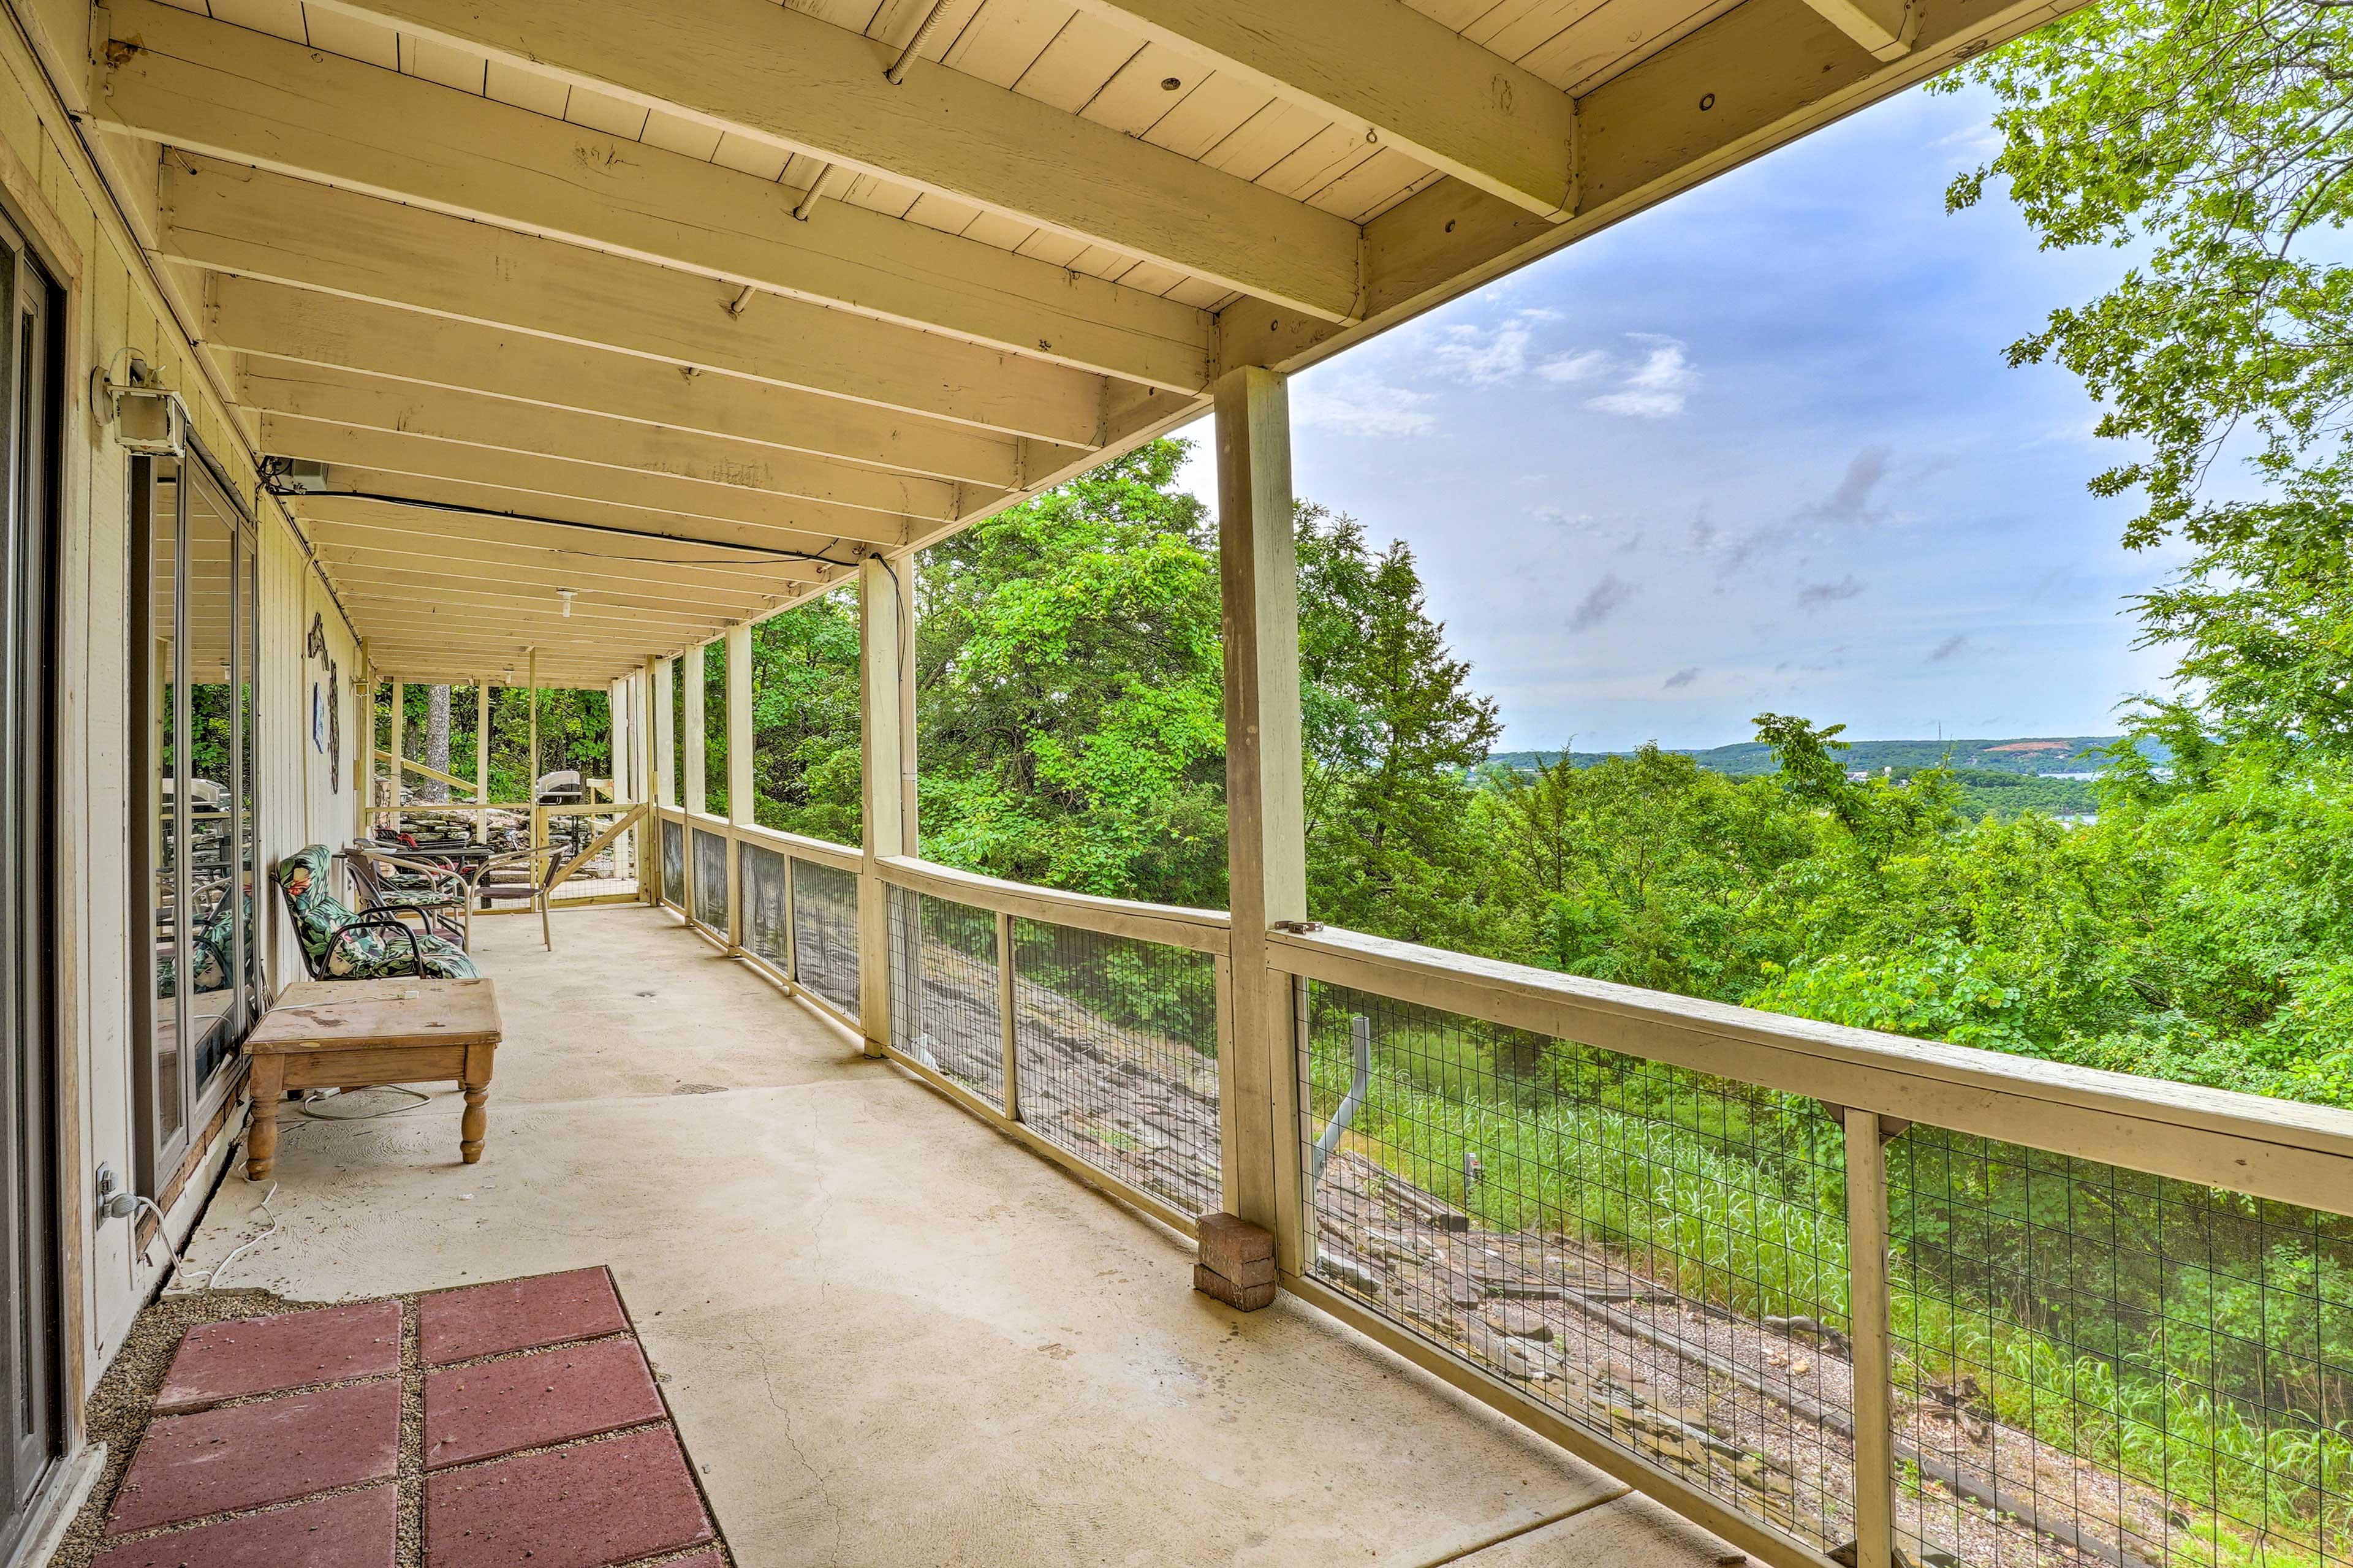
(355, 1034)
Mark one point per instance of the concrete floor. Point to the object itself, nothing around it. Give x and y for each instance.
(890, 1335)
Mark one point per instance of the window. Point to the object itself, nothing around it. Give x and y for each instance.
(195, 864)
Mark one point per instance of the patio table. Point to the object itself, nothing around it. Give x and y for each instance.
(357, 1034)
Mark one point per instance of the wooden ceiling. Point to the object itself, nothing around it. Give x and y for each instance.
(684, 307)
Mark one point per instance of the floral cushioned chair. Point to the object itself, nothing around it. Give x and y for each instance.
(339, 945)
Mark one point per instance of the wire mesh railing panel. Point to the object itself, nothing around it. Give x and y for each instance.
(1117, 1057)
(2097, 1366)
(765, 920)
(1656, 1256)
(710, 898)
(943, 991)
(673, 865)
(825, 933)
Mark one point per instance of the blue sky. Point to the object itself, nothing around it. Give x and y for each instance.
(1756, 449)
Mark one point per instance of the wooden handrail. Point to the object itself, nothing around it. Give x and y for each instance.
(1169, 925)
(412, 765)
(613, 830)
(2277, 1149)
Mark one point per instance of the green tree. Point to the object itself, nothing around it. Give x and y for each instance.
(1393, 732)
(2213, 137)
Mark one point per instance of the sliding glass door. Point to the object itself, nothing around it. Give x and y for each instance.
(197, 874)
(31, 1355)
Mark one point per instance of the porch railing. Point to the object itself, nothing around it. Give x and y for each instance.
(1836, 1295)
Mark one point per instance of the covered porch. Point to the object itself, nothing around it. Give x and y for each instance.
(889, 1334)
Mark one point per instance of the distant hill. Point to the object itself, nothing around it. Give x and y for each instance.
(2029, 755)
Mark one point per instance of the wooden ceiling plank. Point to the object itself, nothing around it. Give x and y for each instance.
(213, 88)
(1384, 70)
(374, 403)
(816, 525)
(435, 528)
(330, 330)
(766, 72)
(227, 218)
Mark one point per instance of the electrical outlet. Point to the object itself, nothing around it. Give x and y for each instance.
(110, 1199)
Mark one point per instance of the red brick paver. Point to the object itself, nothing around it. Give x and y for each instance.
(249, 1455)
(291, 1350)
(548, 1397)
(517, 1314)
(585, 1506)
(358, 1529)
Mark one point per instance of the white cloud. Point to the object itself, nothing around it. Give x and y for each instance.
(1484, 358)
(1361, 404)
(1654, 389)
(1562, 369)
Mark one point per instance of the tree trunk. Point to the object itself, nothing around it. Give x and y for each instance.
(437, 743)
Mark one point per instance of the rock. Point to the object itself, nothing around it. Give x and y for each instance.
(1520, 1323)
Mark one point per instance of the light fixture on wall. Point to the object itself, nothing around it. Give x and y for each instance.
(146, 418)
(565, 594)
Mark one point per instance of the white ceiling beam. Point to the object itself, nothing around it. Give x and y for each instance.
(810, 525)
(205, 86)
(1386, 71)
(373, 403)
(776, 75)
(227, 217)
(304, 326)
(1883, 28)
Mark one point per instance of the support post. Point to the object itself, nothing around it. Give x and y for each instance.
(531, 785)
(1009, 1015)
(1265, 809)
(399, 746)
(483, 694)
(665, 734)
(656, 779)
(1866, 1251)
(363, 733)
(739, 775)
(619, 738)
(882, 688)
(694, 739)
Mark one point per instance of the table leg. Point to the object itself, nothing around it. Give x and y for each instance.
(477, 1121)
(268, 1087)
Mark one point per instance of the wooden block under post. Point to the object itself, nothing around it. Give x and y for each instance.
(1237, 1262)
(1244, 1297)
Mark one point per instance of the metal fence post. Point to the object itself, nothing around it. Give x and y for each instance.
(1867, 1299)
(1008, 1027)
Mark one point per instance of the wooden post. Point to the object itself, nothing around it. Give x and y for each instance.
(482, 694)
(1009, 1015)
(364, 762)
(618, 738)
(694, 741)
(911, 832)
(739, 775)
(1265, 811)
(882, 695)
(657, 780)
(531, 785)
(665, 737)
(399, 744)
(1866, 1252)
